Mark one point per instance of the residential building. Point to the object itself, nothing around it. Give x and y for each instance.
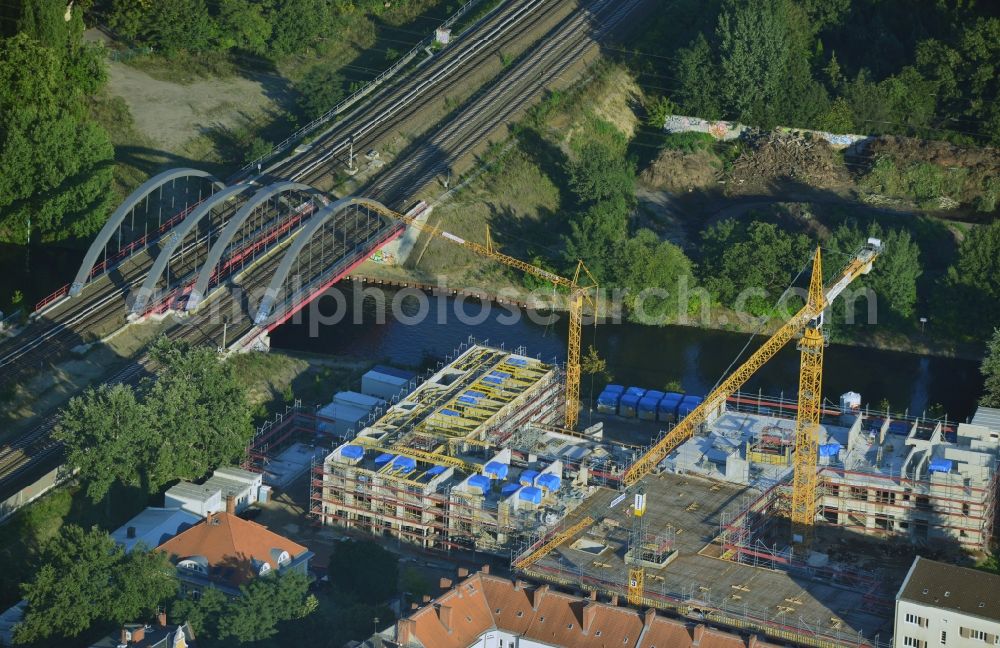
(225, 551)
(144, 635)
(243, 486)
(153, 526)
(486, 611)
(946, 606)
(437, 469)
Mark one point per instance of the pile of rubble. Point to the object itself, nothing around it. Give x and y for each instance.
(772, 156)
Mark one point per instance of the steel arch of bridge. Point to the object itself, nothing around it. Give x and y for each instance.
(315, 224)
(177, 236)
(118, 217)
(229, 233)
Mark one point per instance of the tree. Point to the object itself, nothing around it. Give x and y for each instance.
(85, 578)
(991, 372)
(174, 25)
(894, 276)
(592, 364)
(595, 236)
(697, 73)
(750, 266)
(972, 286)
(363, 571)
(243, 25)
(128, 17)
(57, 174)
(201, 412)
(107, 434)
(254, 615)
(600, 174)
(320, 90)
(754, 52)
(202, 613)
(297, 24)
(650, 272)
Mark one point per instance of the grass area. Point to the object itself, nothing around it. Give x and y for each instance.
(24, 535)
(274, 380)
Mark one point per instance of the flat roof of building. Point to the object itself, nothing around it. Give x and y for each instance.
(462, 398)
(950, 587)
(987, 417)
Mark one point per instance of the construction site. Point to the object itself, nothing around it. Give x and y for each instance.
(795, 520)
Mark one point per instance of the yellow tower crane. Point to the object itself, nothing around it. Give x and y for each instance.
(807, 321)
(582, 288)
(810, 403)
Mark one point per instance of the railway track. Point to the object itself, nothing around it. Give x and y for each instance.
(539, 66)
(365, 124)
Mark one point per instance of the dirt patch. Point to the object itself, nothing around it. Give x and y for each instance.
(771, 157)
(171, 114)
(907, 151)
(678, 171)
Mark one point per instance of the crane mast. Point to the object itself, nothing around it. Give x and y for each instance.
(810, 403)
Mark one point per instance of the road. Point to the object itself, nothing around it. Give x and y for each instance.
(572, 39)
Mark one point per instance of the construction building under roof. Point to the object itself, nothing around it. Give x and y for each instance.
(443, 468)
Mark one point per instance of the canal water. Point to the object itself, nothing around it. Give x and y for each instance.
(645, 356)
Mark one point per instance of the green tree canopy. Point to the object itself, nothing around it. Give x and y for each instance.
(243, 25)
(650, 271)
(252, 616)
(174, 25)
(972, 286)
(192, 418)
(595, 236)
(894, 276)
(751, 265)
(56, 172)
(991, 372)
(320, 90)
(101, 430)
(599, 173)
(86, 578)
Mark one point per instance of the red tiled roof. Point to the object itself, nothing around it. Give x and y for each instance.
(483, 602)
(230, 545)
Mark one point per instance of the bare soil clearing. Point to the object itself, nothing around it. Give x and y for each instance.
(172, 114)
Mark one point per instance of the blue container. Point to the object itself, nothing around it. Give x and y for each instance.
(480, 484)
(436, 470)
(496, 470)
(628, 405)
(528, 477)
(530, 494)
(383, 459)
(549, 482)
(667, 409)
(509, 489)
(353, 452)
(615, 389)
(648, 404)
(636, 391)
(607, 402)
(687, 405)
(517, 362)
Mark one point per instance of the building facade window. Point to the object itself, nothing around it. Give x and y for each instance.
(913, 642)
(944, 637)
(913, 619)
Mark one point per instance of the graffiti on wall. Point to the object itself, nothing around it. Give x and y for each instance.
(725, 131)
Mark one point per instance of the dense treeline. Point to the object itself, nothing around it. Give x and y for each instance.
(272, 28)
(921, 68)
(56, 175)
